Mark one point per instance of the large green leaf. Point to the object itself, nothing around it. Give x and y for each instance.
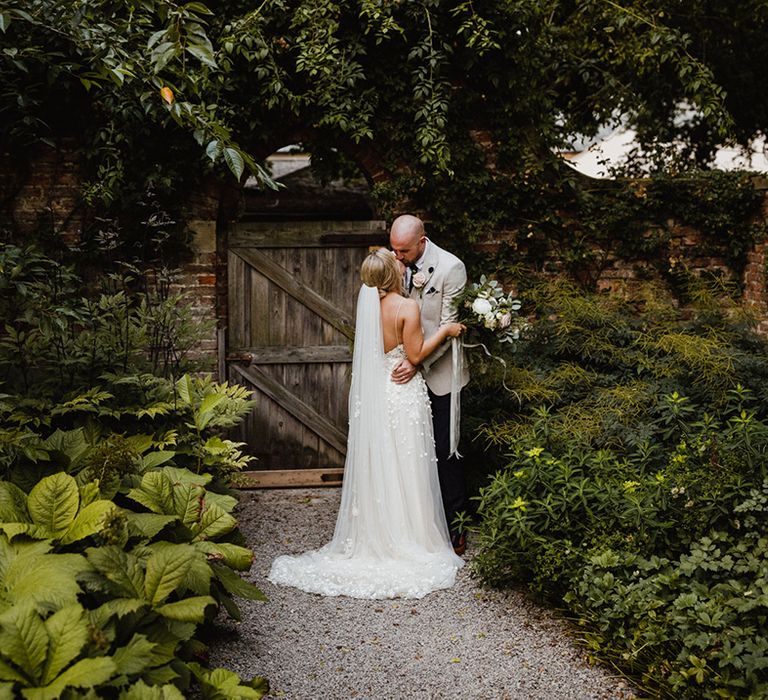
(166, 570)
(12, 530)
(142, 691)
(152, 460)
(122, 569)
(148, 524)
(186, 389)
(26, 571)
(205, 412)
(177, 475)
(68, 633)
(7, 552)
(70, 444)
(234, 160)
(160, 675)
(88, 522)
(9, 673)
(136, 656)
(23, 639)
(203, 54)
(188, 609)
(89, 493)
(139, 443)
(222, 500)
(235, 585)
(213, 523)
(86, 673)
(187, 501)
(198, 578)
(220, 683)
(232, 555)
(119, 607)
(155, 493)
(166, 646)
(54, 501)
(7, 692)
(210, 402)
(13, 503)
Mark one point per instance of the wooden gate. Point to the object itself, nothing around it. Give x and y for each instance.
(292, 293)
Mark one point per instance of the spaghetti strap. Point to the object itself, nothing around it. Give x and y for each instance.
(397, 318)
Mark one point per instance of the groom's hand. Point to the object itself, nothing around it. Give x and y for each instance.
(403, 373)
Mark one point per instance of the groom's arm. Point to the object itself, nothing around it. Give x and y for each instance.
(453, 285)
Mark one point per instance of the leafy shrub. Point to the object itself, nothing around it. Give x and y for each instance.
(633, 441)
(696, 622)
(117, 539)
(102, 596)
(59, 336)
(125, 425)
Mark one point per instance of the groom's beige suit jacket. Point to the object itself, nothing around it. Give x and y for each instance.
(446, 278)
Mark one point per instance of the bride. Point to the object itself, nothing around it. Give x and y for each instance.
(391, 538)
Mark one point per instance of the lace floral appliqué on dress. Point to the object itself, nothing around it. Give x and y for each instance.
(391, 539)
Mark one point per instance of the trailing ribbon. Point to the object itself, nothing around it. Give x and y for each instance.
(457, 361)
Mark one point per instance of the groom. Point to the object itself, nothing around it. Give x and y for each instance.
(434, 277)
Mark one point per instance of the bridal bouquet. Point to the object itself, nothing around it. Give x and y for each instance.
(491, 308)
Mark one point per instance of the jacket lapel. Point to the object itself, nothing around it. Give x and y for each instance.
(428, 268)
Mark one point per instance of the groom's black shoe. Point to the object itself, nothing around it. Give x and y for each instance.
(459, 542)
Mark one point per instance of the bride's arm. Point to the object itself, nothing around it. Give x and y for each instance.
(416, 347)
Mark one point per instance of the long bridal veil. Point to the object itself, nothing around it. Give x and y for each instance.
(391, 538)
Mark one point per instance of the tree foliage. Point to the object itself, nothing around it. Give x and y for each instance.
(232, 78)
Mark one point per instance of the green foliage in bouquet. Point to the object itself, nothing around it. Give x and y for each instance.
(633, 440)
(488, 310)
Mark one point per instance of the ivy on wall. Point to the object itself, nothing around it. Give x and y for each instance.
(544, 217)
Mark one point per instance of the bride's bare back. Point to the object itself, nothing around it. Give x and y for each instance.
(401, 323)
(394, 311)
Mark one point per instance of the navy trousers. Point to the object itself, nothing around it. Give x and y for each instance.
(450, 469)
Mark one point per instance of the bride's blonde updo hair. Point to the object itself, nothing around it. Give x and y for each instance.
(380, 269)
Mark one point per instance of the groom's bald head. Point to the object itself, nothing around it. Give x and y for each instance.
(406, 238)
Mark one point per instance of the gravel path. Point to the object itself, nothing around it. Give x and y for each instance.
(465, 642)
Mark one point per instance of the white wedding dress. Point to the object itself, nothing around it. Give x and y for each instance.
(391, 538)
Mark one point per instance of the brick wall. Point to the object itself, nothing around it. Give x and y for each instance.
(755, 294)
(611, 273)
(45, 195)
(43, 192)
(46, 192)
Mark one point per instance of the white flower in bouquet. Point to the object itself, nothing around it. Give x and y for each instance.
(481, 306)
(495, 310)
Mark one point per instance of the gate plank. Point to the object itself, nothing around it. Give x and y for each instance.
(308, 234)
(278, 354)
(309, 297)
(307, 415)
(287, 478)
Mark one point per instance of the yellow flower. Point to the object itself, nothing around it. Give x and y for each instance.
(630, 486)
(535, 451)
(519, 504)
